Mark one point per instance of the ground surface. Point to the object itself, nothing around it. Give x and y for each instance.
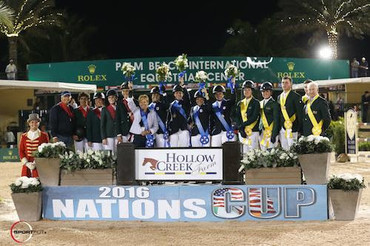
(69, 233)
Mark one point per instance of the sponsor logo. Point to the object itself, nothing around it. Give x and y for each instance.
(22, 232)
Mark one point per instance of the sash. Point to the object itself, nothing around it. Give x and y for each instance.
(97, 112)
(204, 139)
(229, 129)
(288, 122)
(111, 111)
(149, 137)
(131, 115)
(248, 129)
(162, 126)
(317, 127)
(83, 111)
(179, 109)
(66, 109)
(305, 98)
(267, 131)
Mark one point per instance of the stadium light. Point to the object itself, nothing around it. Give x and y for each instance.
(325, 52)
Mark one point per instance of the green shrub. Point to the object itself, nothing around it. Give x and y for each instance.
(335, 133)
(364, 146)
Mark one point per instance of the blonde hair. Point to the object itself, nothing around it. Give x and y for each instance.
(143, 97)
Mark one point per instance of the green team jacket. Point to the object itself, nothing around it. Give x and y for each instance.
(320, 110)
(253, 114)
(293, 105)
(272, 113)
(80, 120)
(93, 128)
(108, 124)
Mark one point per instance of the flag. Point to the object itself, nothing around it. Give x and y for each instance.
(219, 202)
(255, 202)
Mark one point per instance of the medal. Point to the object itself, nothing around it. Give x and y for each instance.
(230, 135)
(267, 133)
(316, 131)
(204, 139)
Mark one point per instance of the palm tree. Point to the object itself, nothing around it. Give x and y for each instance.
(265, 39)
(333, 17)
(6, 14)
(28, 14)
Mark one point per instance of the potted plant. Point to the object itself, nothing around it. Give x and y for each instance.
(274, 166)
(314, 158)
(47, 159)
(27, 198)
(345, 195)
(89, 168)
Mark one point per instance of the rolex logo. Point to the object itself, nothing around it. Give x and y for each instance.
(91, 68)
(290, 66)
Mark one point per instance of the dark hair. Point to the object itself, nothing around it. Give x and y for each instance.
(288, 78)
(307, 81)
(83, 94)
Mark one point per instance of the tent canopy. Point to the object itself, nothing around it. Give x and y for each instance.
(334, 82)
(48, 86)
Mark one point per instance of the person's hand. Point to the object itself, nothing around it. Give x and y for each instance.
(130, 85)
(31, 165)
(104, 141)
(119, 139)
(181, 81)
(89, 144)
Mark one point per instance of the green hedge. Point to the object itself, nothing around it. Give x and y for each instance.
(335, 133)
(364, 146)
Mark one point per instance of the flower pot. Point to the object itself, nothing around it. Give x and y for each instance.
(28, 205)
(87, 177)
(276, 176)
(345, 203)
(49, 171)
(315, 167)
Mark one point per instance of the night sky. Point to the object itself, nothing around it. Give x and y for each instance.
(130, 29)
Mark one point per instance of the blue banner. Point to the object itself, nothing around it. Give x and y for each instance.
(186, 203)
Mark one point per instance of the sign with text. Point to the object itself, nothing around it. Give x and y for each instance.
(351, 132)
(9, 155)
(179, 164)
(186, 203)
(259, 69)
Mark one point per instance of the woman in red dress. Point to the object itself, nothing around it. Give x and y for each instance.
(30, 140)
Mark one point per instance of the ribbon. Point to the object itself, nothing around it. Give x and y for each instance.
(288, 122)
(243, 111)
(130, 78)
(317, 127)
(179, 108)
(83, 111)
(267, 131)
(229, 129)
(230, 84)
(149, 137)
(182, 74)
(166, 135)
(204, 139)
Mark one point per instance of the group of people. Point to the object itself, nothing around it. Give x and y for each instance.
(181, 121)
(359, 68)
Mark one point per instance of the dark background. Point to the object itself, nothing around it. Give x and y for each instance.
(129, 29)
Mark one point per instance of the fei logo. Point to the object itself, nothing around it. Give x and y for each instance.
(261, 202)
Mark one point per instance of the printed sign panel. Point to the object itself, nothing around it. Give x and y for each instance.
(259, 69)
(9, 155)
(179, 164)
(351, 132)
(186, 203)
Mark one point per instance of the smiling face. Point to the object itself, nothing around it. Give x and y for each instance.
(65, 99)
(199, 101)
(33, 124)
(83, 101)
(178, 95)
(112, 99)
(247, 92)
(219, 96)
(313, 90)
(144, 103)
(266, 94)
(99, 102)
(286, 84)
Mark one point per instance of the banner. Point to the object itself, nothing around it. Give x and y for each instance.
(9, 155)
(186, 203)
(350, 120)
(259, 69)
(178, 164)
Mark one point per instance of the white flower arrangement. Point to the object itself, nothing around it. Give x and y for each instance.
(201, 76)
(128, 70)
(346, 182)
(231, 71)
(163, 72)
(87, 160)
(50, 150)
(275, 157)
(181, 62)
(26, 185)
(312, 144)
